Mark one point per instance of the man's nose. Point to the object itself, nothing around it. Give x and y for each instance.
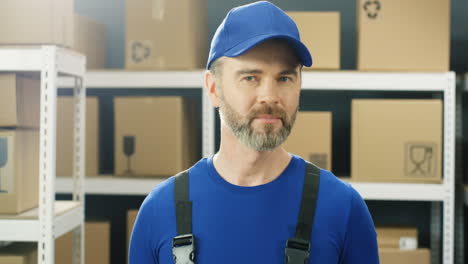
(268, 92)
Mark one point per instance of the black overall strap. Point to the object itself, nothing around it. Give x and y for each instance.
(183, 245)
(298, 248)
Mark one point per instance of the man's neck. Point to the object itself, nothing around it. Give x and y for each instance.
(243, 166)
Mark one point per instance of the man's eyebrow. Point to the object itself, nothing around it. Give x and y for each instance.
(289, 72)
(248, 71)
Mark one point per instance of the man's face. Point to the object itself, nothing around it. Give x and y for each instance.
(259, 94)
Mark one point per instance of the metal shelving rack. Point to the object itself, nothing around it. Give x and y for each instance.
(465, 88)
(439, 194)
(52, 218)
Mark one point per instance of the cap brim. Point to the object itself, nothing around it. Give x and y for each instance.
(301, 50)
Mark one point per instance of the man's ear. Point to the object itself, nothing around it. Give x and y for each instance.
(211, 89)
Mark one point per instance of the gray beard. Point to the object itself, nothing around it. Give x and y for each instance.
(243, 131)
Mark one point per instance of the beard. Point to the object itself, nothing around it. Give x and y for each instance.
(266, 140)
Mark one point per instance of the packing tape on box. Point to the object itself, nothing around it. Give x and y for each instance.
(159, 9)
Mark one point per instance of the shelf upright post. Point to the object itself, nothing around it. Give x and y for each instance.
(79, 115)
(208, 126)
(449, 170)
(436, 231)
(47, 151)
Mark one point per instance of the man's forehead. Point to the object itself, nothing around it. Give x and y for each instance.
(270, 53)
(274, 49)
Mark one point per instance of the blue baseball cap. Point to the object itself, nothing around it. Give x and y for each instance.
(246, 26)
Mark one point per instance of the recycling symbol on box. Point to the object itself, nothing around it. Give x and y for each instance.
(372, 8)
(140, 51)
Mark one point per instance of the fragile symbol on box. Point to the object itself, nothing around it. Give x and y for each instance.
(141, 50)
(420, 159)
(319, 159)
(129, 150)
(372, 8)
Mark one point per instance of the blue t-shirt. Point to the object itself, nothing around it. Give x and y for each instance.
(235, 224)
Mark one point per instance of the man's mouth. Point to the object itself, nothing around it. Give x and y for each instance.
(269, 119)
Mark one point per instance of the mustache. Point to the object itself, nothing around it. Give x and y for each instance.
(268, 110)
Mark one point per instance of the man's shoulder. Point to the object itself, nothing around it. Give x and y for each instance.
(337, 187)
(161, 196)
(163, 193)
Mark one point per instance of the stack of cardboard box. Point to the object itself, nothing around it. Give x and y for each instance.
(391, 35)
(400, 245)
(311, 138)
(19, 142)
(131, 218)
(97, 245)
(158, 136)
(27, 22)
(402, 35)
(320, 32)
(155, 136)
(19, 253)
(396, 140)
(166, 35)
(65, 134)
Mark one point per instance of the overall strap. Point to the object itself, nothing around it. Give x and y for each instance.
(183, 245)
(298, 248)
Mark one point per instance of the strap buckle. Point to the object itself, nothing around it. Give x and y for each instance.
(297, 251)
(183, 249)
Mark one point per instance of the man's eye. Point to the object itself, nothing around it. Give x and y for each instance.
(250, 78)
(284, 79)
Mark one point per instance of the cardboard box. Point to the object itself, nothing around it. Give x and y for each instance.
(160, 134)
(166, 35)
(90, 40)
(131, 218)
(19, 101)
(97, 245)
(320, 32)
(392, 256)
(396, 140)
(404, 238)
(400, 35)
(65, 136)
(19, 253)
(37, 22)
(311, 138)
(19, 170)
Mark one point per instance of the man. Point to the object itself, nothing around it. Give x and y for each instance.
(246, 199)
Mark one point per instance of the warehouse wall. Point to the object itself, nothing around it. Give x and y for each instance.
(112, 13)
